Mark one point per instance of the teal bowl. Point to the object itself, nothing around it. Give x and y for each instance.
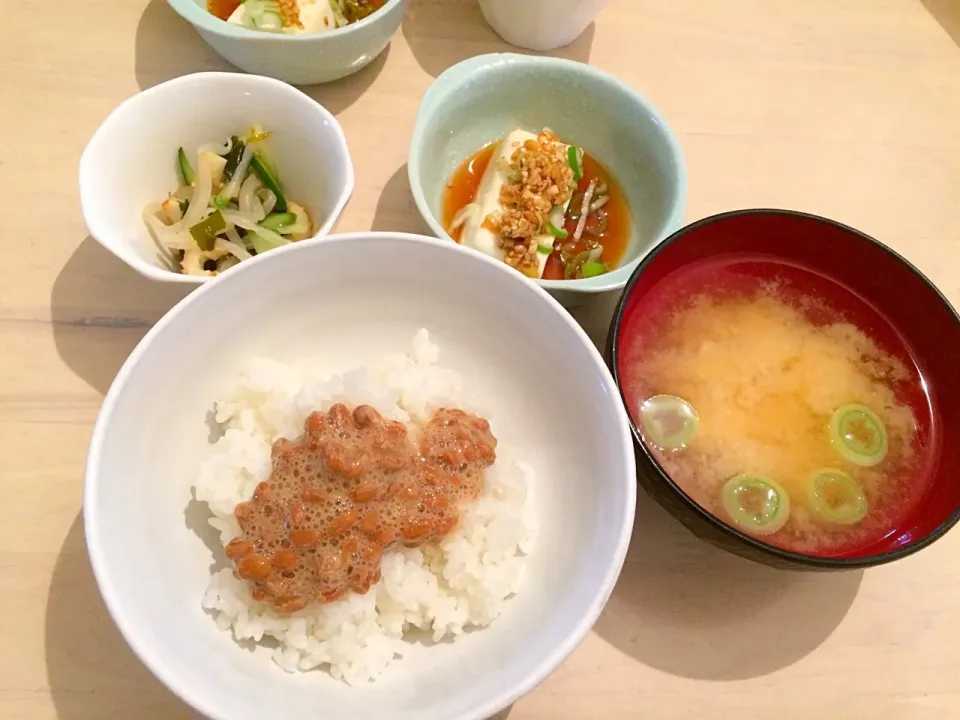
(304, 59)
(481, 99)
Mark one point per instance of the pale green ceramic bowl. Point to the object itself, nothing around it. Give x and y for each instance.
(297, 59)
(481, 99)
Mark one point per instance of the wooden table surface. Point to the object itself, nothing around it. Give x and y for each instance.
(847, 108)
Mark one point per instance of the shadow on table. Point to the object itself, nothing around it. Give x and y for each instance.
(442, 33)
(396, 211)
(947, 13)
(341, 94)
(168, 47)
(594, 314)
(92, 672)
(687, 608)
(101, 309)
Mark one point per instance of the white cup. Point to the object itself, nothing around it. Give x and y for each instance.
(540, 24)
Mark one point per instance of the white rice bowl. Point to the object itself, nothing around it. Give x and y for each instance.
(323, 307)
(432, 592)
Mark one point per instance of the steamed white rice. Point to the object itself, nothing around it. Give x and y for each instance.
(442, 590)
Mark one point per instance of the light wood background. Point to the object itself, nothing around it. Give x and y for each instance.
(848, 108)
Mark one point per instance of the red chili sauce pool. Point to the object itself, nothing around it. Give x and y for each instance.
(765, 353)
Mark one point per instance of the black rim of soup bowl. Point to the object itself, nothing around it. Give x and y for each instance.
(708, 527)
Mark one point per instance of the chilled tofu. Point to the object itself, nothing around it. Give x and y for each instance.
(315, 16)
(476, 231)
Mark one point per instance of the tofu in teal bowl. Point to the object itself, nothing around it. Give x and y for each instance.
(301, 42)
(558, 169)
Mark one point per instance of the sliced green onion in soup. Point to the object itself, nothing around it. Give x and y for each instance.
(756, 504)
(859, 435)
(836, 497)
(669, 422)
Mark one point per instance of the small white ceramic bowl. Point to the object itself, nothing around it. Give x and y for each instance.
(302, 59)
(349, 300)
(131, 159)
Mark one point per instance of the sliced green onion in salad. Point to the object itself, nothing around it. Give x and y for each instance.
(756, 504)
(836, 497)
(544, 249)
(859, 435)
(228, 206)
(557, 232)
(669, 422)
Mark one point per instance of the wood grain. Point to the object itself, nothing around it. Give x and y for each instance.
(847, 108)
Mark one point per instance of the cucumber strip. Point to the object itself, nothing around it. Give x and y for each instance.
(275, 221)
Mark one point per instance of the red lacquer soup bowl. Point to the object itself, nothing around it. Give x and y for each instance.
(828, 276)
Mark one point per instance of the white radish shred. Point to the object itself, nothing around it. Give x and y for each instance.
(163, 234)
(235, 249)
(241, 220)
(268, 199)
(248, 201)
(596, 205)
(202, 190)
(234, 237)
(217, 148)
(584, 210)
(233, 188)
(466, 213)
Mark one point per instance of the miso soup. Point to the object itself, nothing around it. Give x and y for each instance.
(781, 403)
